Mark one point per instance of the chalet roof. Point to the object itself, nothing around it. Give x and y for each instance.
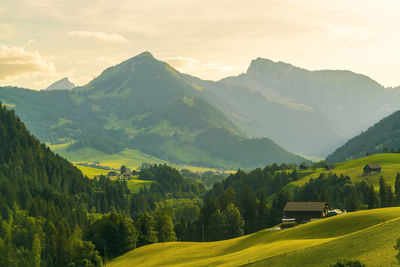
(373, 166)
(304, 206)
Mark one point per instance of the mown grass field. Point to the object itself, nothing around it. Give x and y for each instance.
(135, 185)
(368, 236)
(91, 172)
(389, 162)
(131, 158)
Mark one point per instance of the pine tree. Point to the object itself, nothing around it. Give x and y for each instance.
(397, 190)
(35, 252)
(234, 222)
(164, 226)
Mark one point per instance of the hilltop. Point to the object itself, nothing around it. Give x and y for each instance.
(320, 243)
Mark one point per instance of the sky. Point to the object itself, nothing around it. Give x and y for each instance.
(42, 41)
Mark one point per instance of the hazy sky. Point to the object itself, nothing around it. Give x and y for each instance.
(42, 41)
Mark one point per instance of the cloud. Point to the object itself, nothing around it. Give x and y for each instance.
(15, 61)
(102, 36)
(196, 67)
(31, 41)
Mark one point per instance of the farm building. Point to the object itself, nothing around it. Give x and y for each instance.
(304, 166)
(304, 211)
(372, 168)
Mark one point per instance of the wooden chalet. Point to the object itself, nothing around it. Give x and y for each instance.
(304, 211)
(372, 168)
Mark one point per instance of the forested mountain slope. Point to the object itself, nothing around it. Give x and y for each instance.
(298, 127)
(384, 136)
(44, 202)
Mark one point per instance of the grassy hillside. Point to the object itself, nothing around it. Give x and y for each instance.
(390, 164)
(135, 185)
(368, 236)
(91, 172)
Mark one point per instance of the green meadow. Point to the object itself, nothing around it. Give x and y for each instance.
(135, 185)
(91, 172)
(368, 236)
(131, 158)
(389, 162)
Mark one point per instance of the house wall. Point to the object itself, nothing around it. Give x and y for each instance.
(304, 214)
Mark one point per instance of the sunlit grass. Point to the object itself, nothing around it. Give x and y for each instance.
(365, 235)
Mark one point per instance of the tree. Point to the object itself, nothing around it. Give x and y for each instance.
(385, 193)
(227, 197)
(217, 226)
(145, 225)
(397, 247)
(113, 234)
(280, 200)
(234, 222)
(348, 263)
(397, 189)
(123, 169)
(249, 208)
(372, 198)
(164, 226)
(352, 201)
(35, 252)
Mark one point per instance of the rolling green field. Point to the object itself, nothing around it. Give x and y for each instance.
(135, 185)
(91, 172)
(129, 157)
(389, 162)
(368, 236)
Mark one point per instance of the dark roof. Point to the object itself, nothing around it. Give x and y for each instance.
(304, 164)
(304, 206)
(373, 166)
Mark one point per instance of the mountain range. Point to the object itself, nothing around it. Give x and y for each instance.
(147, 105)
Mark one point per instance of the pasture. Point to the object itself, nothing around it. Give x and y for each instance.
(368, 236)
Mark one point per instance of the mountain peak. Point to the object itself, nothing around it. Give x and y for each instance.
(145, 54)
(63, 84)
(263, 64)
